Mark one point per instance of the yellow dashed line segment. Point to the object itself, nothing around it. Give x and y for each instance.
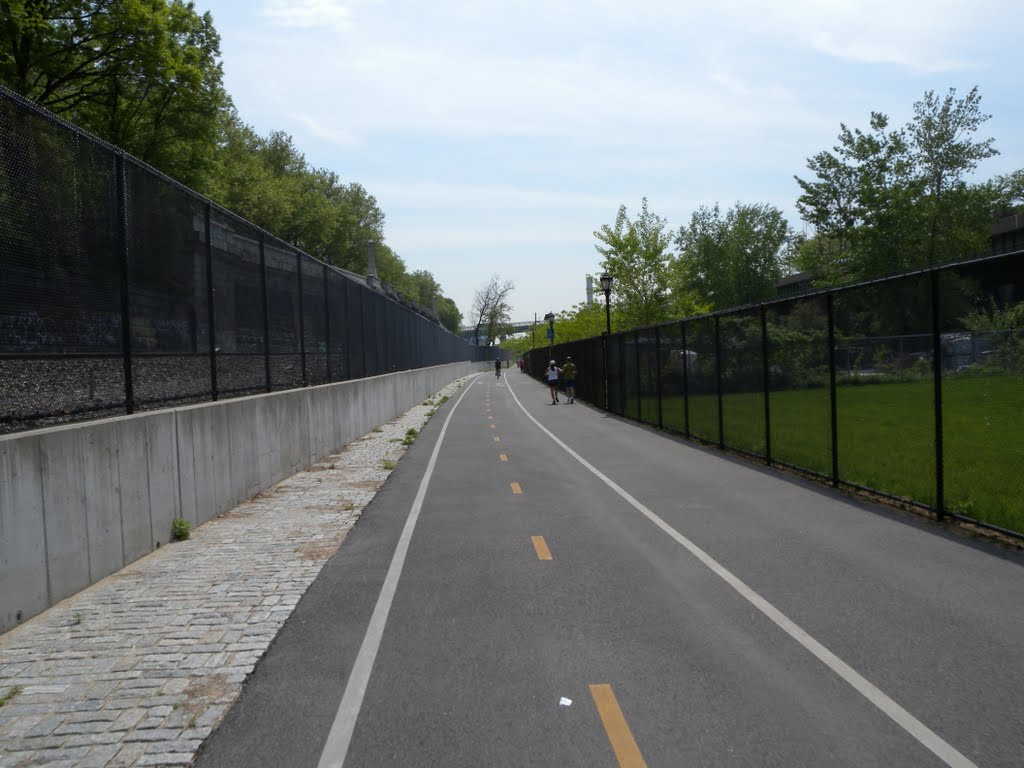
(516, 489)
(503, 457)
(623, 744)
(543, 553)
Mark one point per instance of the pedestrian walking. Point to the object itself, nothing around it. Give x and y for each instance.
(569, 373)
(497, 367)
(552, 374)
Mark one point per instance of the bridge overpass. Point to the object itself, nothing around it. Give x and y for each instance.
(468, 332)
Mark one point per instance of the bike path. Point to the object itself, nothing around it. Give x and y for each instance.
(484, 639)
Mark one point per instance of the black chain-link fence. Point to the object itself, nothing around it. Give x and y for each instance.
(121, 290)
(843, 384)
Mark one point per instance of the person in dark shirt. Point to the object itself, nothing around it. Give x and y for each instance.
(569, 374)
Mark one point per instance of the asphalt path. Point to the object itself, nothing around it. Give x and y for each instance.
(695, 611)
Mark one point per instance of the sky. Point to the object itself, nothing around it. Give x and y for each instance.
(498, 136)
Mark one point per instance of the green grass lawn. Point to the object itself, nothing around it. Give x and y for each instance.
(886, 437)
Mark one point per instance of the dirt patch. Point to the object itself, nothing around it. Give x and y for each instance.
(202, 692)
(338, 506)
(128, 574)
(236, 514)
(321, 549)
(270, 493)
(322, 467)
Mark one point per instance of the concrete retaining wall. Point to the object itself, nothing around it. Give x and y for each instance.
(80, 502)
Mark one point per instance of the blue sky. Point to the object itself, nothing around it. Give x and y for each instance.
(497, 136)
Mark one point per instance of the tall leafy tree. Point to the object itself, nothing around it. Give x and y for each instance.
(862, 204)
(733, 259)
(142, 74)
(636, 253)
(267, 180)
(886, 200)
(945, 152)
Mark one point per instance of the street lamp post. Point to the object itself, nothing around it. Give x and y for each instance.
(550, 317)
(606, 286)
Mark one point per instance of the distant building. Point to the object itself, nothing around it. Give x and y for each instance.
(1008, 234)
(794, 285)
(1007, 237)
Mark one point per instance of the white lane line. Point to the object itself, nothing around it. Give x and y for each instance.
(340, 737)
(944, 751)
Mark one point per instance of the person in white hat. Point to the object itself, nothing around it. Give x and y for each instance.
(552, 373)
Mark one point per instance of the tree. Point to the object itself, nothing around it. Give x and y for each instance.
(449, 314)
(732, 260)
(584, 321)
(887, 201)
(862, 205)
(491, 310)
(944, 152)
(636, 254)
(268, 181)
(141, 74)
(1008, 192)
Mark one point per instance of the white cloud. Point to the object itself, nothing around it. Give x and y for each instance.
(493, 134)
(308, 14)
(933, 37)
(330, 132)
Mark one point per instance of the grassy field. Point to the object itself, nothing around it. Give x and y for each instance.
(886, 437)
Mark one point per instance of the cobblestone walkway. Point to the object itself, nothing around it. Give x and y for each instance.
(139, 668)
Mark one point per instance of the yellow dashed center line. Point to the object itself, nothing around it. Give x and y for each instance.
(497, 439)
(543, 553)
(516, 489)
(493, 427)
(615, 725)
(503, 457)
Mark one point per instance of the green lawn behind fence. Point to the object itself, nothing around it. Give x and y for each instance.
(886, 437)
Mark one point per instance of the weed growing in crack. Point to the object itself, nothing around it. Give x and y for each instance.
(181, 529)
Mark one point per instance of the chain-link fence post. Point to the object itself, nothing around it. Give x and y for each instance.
(636, 359)
(686, 380)
(765, 370)
(122, 244)
(834, 405)
(718, 382)
(657, 373)
(302, 321)
(327, 321)
(210, 308)
(265, 303)
(940, 501)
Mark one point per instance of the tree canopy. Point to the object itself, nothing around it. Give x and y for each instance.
(144, 75)
(732, 259)
(883, 201)
(636, 252)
